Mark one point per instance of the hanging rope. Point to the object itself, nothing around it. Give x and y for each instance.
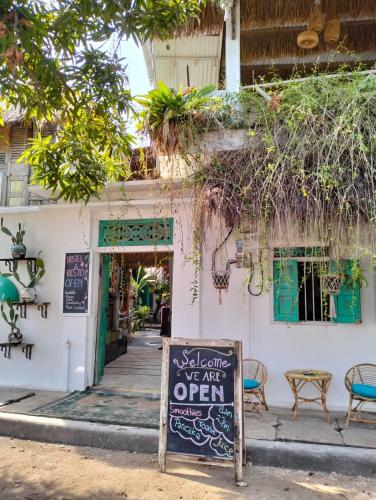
(251, 275)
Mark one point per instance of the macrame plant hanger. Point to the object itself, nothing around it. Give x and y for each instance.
(221, 279)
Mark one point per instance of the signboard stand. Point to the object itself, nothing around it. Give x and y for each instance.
(201, 416)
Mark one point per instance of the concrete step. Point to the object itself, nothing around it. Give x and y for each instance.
(325, 458)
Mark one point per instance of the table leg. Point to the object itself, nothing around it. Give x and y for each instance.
(324, 390)
(296, 405)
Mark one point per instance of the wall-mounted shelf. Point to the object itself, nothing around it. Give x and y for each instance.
(6, 348)
(22, 308)
(9, 263)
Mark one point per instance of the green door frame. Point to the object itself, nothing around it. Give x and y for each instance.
(103, 316)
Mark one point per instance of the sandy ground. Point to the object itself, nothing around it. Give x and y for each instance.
(31, 470)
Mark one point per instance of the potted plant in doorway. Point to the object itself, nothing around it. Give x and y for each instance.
(18, 249)
(15, 336)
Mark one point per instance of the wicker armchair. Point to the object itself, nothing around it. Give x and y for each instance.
(254, 374)
(360, 381)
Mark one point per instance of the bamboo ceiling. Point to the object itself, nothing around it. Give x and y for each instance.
(269, 28)
(257, 13)
(272, 43)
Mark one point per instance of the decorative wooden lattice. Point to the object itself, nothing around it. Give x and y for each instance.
(135, 232)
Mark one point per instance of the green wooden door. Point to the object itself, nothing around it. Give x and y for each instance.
(103, 317)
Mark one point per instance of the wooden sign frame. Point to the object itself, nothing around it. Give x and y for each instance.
(77, 314)
(237, 463)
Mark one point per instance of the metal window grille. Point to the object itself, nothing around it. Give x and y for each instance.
(313, 301)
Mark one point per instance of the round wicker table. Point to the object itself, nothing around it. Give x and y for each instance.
(297, 379)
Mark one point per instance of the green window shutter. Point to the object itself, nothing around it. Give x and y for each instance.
(286, 291)
(347, 302)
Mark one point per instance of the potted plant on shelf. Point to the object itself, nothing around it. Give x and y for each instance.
(15, 336)
(18, 249)
(28, 293)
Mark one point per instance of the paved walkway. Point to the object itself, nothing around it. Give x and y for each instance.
(139, 370)
(129, 395)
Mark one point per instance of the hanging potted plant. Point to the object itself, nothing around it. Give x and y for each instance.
(18, 249)
(15, 336)
(28, 293)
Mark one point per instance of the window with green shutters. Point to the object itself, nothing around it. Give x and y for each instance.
(286, 288)
(298, 297)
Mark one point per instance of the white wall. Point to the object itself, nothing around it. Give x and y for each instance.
(53, 232)
(57, 230)
(280, 346)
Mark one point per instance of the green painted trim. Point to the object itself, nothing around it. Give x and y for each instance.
(136, 232)
(286, 291)
(103, 316)
(347, 302)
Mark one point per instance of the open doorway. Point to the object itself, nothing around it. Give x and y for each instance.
(134, 311)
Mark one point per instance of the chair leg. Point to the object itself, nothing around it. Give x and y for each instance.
(264, 399)
(349, 410)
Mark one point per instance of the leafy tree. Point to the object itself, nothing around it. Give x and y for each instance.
(58, 63)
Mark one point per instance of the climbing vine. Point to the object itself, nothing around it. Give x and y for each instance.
(305, 172)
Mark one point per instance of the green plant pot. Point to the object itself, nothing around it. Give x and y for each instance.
(14, 338)
(18, 251)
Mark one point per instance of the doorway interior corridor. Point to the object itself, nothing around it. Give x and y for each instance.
(135, 298)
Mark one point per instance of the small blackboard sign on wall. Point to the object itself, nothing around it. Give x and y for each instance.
(202, 401)
(76, 283)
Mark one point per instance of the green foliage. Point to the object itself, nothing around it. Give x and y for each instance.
(138, 284)
(138, 317)
(58, 62)
(356, 278)
(307, 169)
(306, 172)
(35, 274)
(11, 318)
(18, 238)
(167, 113)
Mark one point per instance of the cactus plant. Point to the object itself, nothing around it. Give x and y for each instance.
(18, 248)
(15, 336)
(36, 273)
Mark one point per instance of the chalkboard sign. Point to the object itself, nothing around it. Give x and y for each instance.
(76, 283)
(202, 407)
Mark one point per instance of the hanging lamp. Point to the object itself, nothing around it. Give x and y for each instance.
(316, 21)
(8, 290)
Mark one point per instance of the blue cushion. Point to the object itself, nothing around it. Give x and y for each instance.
(366, 391)
(249, 384)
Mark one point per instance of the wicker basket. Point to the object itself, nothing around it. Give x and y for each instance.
(332, 31)
(221, 279)
(331, 283)
(308, 39)
(316, 21)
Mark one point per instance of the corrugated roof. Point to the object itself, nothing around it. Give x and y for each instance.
(187, 61)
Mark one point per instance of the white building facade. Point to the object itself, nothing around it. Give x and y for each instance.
(65, 350)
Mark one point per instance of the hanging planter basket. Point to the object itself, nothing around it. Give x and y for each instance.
(221, 279)
(331, 283)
